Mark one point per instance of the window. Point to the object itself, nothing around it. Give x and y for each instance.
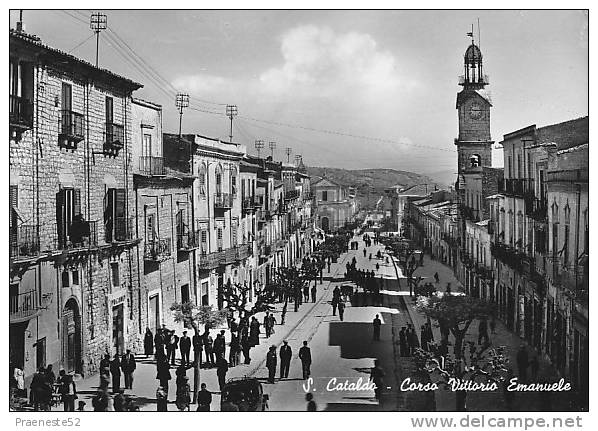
(204, 241)
(202, 181)
(511, 228)
(218, 180)
(114, 215)
(75, 275)
(184, 293)
(65, 279)
(324, 195)
(474, 160)
(114, 275)
(109, 110)
(150, 227)
(219, 239)
(520, 229)
(67, 97)
(40, 347)
(565, 249)
(233, 181)
(68, 210)
(146, 149)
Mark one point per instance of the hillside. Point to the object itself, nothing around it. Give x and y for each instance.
(371, 183)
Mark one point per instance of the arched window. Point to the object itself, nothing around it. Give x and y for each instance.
(218, 177)
(475, 160)
(233, 181)
(202, 181)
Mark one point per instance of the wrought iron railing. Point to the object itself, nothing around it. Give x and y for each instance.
(151, 165)
(80, 234)
(27, 305)
(223, 201)
(25, 242)
(157, 249)
(114, 137)
(71, 125)
(188, 240)
(20, 112)
(119, 229)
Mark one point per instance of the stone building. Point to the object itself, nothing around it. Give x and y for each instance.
(335, 206)
(73, 245)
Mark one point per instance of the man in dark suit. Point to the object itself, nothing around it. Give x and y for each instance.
(115, 371)
(128, 365)
(271, 363)
(185, 346)
(197, 349)
(285, 359)
(305, 356)
(173, 344)
(219, 347)
(222, 369)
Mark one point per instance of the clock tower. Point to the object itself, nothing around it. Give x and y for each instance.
(474, 144)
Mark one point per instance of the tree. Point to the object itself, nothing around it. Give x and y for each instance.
(195, 316)
(405, 252)
(237, 299)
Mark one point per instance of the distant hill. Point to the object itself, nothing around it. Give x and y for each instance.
(371, 183)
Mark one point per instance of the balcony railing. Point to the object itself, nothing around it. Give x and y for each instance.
(223, 201)
(536, 209)
(187, 240)
(119, 229)
(157, 249)
(249, 204)
(509, 255)
(25, 306)
(291, 194)
(210, 260)
(25, 241)
(114, 137)
(514, 186)
(242, 251)
(71, 129)
(468, 213)
(21, 112)
(81, 234)
(151, 165)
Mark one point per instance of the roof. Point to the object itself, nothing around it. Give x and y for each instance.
(323, 180)
(566, 134)
(467, 93)
(146, 103)
(473, 54)
(66, 60)
(574, 149)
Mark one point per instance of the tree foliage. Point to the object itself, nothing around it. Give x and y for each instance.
(237, 297)
(197, 315)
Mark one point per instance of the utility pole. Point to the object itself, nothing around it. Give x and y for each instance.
(231, 112)
(182, 102)
(297, 159)
(97, 23)
(272, 146)
(289, 151)
(259, 144)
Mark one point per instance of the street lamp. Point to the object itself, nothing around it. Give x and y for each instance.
(259, 144)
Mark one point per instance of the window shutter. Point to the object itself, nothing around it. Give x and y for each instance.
(76, 202)
(119, 205)
(108, 214)
(60, 228)
(14, 203)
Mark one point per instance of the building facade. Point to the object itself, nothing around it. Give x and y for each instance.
(335, 205)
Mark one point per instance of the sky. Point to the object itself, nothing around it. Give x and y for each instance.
(363, 89)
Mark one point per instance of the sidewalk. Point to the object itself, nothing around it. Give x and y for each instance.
(489, 401)
(145, 383)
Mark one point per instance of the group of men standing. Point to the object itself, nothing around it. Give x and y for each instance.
(286, 354)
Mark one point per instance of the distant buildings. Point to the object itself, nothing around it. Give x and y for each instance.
(112, 220)
(336, 204)
(518, 236)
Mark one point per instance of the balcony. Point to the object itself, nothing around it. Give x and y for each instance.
(242, 252)
(114, 138)
(248, 205)
(508, 255)
(70, 129)
(291, 194)
(81, 234)
(24, 242)
(157, 249)
(468, 213)
(188, 240)
(20, 113)
(119, 229)
(537, 209)
(223, 201)
(516, 187)
(151, 165)
(210, 260)
(27, 305)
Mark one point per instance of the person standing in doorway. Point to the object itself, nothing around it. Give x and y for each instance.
(148, 343)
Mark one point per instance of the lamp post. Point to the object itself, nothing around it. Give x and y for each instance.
(259, 144)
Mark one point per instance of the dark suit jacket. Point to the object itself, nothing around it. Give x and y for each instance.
(285, 353)
(185, 344)
(128, 364)
(305, 354)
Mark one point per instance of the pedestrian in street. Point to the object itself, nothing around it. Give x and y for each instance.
(272, 323)
(328, 263)
(68, 392)
(377, 323)
(436, 277)
(159, 344)
(305, 356)
(483, 332)
(207, 344)
(266, 324)
(234, 350)
(105, 371)
(311, 404)
(341, 309)
(19, 376)
(204, 399)
(364, 252)
(254, 332)
(162, 399)
(115, 371)
(448, 289)
(246, 347)
(219, 346)
(412, 338)
(181, 373)
(335, 301)
(185, 346)
(197, 342)
(271, 363)
(421, 259)
(100, 400)
(221, 370)
(306, 293)
(148, 343)
(314, 290)
(522, 363)
(424, 337)
(119, 401)
(377, 377)
(403, 344)
(183, 396)
(163, 372)
(81, 406)
(49, 375)
(377, 266)
(128, 366)
(285, 359)
(173, 345)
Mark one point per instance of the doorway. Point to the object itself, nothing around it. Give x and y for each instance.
(153, 313)
(118, 338)
(71, 327)
(325, 224)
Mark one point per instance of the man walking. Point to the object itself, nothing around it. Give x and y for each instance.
(267, 324)
(219, 345)
(128, 366)
(341, 309)
(222, 369)
(185, 346)
(305, 356)
(285, 359)
(314, 290)
(271, 363)
(377, 323)
(207, 344)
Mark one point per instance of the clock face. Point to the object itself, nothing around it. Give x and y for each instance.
(475, 111)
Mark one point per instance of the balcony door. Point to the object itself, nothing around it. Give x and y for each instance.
(67, 97)
(68, 209)
(114, 215)
(71, 327)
